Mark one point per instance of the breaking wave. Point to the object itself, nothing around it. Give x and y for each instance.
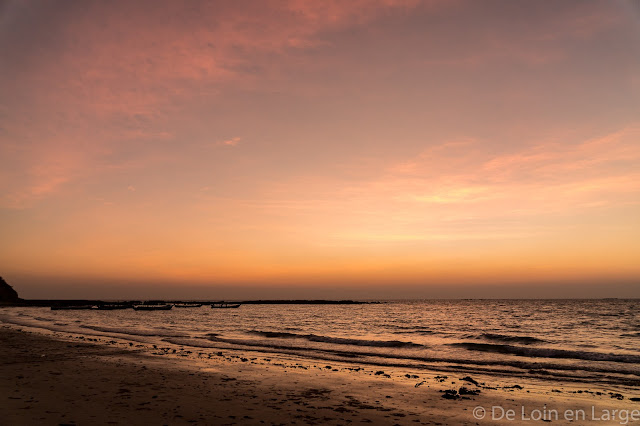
(548, 352)
(134, 331)
(338, 340)
(527, 340)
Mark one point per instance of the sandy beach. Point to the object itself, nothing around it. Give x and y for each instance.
(56, 378)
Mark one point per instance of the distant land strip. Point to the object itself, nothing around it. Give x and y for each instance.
(82, 302)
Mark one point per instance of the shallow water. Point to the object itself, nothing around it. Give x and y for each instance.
(584, 340)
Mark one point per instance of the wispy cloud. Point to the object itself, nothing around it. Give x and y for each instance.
(230, 142)
(109, 92)
(466, 171)
(460, 190)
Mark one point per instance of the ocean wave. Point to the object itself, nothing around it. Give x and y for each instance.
(548, 352)
(544, 370)
(338, 340)
(527, 340)
(134, 331)
(276, 334)
(416, 332)
(404, 329)
(57, 327)
(410, 328)
(31, 322)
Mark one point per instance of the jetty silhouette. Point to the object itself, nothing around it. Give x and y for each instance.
(9, 297)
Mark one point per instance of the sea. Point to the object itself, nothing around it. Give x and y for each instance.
(595, 341)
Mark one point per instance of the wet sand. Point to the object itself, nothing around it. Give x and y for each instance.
(59, 378)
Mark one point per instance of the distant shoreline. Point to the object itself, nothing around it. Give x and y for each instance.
(77, 302)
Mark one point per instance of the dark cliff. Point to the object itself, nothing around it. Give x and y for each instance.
(7, 293)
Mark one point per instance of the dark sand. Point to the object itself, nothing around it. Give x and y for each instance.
(62, 379)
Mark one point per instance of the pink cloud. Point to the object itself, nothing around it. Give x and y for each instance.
(543, 163)
(100, 89)
(230, 142)
(513, 193)
(461, 190)
(140, 58)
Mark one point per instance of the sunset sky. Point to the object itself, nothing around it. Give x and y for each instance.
(320, 148)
